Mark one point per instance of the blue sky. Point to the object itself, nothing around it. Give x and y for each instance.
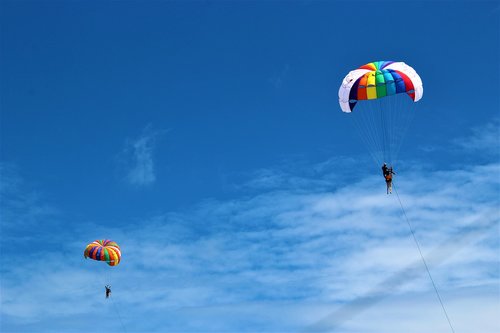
(207, 140)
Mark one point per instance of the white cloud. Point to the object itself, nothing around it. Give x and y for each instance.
(21, 206)
(301, 250)
(485, 138)
(481, 143)
(292, 257)
(139, 156)
(413, 312)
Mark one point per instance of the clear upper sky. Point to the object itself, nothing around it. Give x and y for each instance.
(206, 138)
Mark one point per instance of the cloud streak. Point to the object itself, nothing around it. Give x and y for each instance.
(139, 154)
(282, 260)
(298, 250)
(485, 138)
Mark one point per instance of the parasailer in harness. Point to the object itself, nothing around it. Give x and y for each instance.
(388, 172)
(384, 169)
(108, 291)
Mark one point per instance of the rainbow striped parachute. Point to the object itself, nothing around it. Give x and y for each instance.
(385, 113)
(104, 250)
(379, 79)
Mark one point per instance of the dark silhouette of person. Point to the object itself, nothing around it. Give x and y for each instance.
(108, 291)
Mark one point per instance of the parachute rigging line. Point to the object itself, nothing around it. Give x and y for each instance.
(423, 259)
(382, 125)
(376, 91)
(118, 313)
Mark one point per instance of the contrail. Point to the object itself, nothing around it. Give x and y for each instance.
(384, 289)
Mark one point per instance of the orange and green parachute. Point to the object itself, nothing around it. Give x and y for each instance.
(104, 250)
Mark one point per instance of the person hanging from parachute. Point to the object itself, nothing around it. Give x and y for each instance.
(382, 115)
(104, 250)
(108, 290)
(384, 169)
(388, 177)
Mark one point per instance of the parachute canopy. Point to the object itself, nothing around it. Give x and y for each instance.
(104, 250)
(384, 113)
(379, 79)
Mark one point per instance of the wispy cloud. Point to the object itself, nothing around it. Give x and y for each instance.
(278, 78)
(139, 155)
(285, 258)
(20, 204)
(300, 249)
(484, 139)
